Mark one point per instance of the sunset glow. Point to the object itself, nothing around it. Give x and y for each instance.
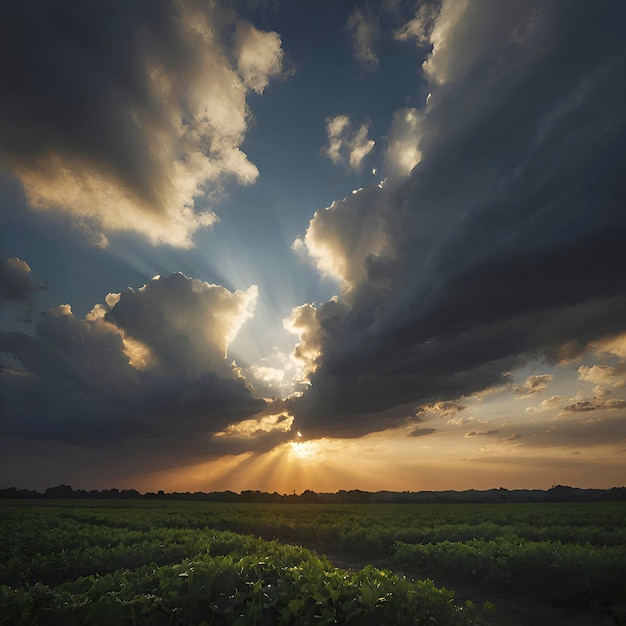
(335, 245)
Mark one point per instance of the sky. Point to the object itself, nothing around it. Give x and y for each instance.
(289, 245)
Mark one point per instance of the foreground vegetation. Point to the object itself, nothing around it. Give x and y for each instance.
(186, 563)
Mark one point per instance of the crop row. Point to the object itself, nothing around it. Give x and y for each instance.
(90, 554)
(256, 582)
(548, 570)
(33, 540)
(557, 552)
(376, 527)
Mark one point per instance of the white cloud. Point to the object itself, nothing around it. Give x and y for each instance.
(419, 27)
(615, 345)
(602, 375)
(304, 322)
(18, 266)
(402, 153)
(463, 421)
(360, 146)
(63, 310)
(364, 33)
(346, 143)
(268, 374)
(450, 17)
(466, 33)
(594, 405)
(259, 56)
(534, 384)
(151, 159)
(513, 437)
(99, 204)
(258, 427)
(335, 128)
(546, 405)
(485, 433)
(344, 237)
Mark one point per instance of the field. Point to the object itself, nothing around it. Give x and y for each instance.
(182, 563)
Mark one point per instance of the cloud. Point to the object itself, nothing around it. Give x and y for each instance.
(440, 409)
(258, 433)
(363, 32)
(348, 240)
(573, 430)
(457, 50)
(403, 138)
(271, 375)
(419, 27)
(470, 419)
(304, 322)
(503, 243)
(596, 404)
(546, 405)
(486, 433)
(422, 431)
(187, 323)
(347, 143)
(146, 371)
(259, 56)
(15, 281)
(513, 437)
(131, 120)
(603, 375)
(534, 384)
(615, 345)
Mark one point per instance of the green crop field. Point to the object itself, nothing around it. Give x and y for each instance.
(182, 563)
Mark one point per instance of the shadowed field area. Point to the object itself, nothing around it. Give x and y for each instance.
(218, 563)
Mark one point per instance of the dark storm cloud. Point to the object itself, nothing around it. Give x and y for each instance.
(507, 240)
(15, 281)
(186, 322)
(151, 376)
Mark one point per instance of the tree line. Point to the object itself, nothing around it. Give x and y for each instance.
(557, 493)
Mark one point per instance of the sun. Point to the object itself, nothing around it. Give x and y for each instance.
(304, 449)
